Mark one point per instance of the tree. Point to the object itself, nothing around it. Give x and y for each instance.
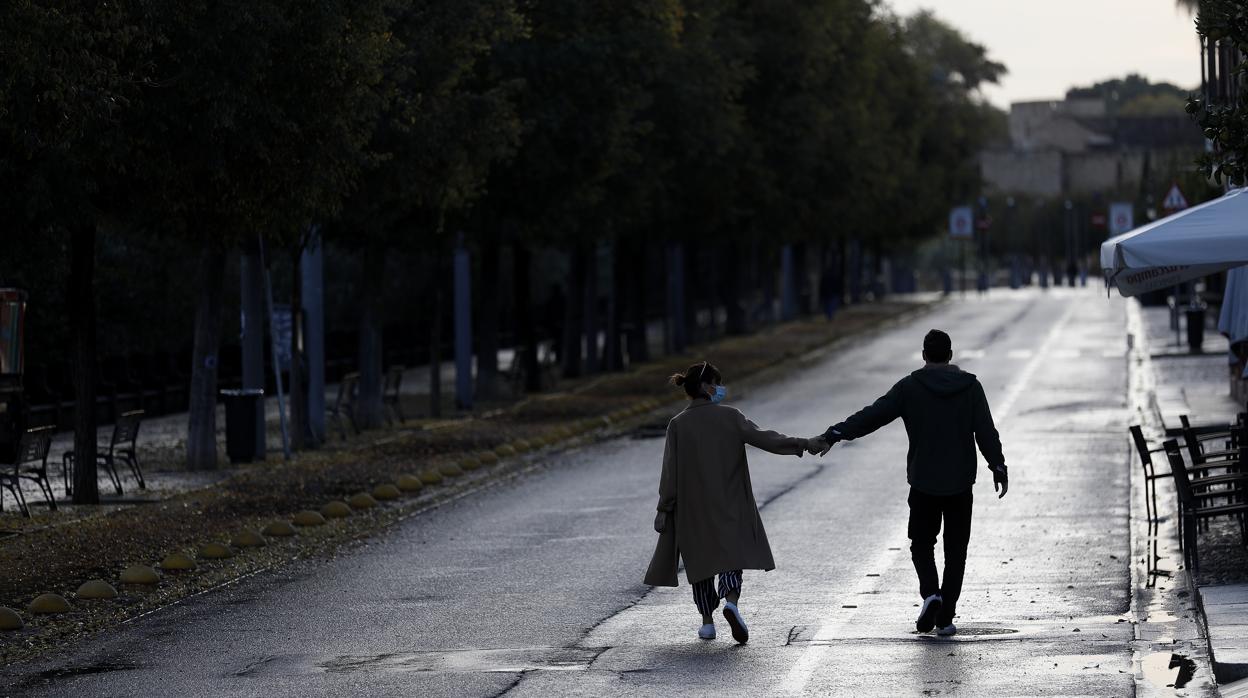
(68, 74)
(447, 119)
(1224, 119)
(254, 123)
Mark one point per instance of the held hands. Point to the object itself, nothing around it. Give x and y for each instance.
(1000, 480)
(819, 445)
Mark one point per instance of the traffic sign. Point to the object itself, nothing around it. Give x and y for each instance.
(961, 222)
(1174, 200)
(1121, 218)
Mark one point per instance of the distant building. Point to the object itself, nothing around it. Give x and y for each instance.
(1075, 147)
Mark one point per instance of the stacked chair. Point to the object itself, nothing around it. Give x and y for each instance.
(1208, 478)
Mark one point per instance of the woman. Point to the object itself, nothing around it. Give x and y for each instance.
(707, 513)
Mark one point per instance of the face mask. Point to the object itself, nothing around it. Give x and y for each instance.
(720, 393)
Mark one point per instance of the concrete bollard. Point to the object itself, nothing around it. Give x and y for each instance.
(469, 463)
(139, 574)
(249, 538)
(409, 483)
(450, 470)
(215, 551)
(505, 451)
(362, 500)
(10, 619)
(336, 510)
(177, 562)
(96, 589)
(386, 492)
(49, 603)
(487, 457)
(279, 529)
(308, 518)
(429, 476)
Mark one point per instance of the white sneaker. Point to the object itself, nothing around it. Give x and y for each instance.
(740, 632)
(707, 632)
(927, 614)
(948, 630)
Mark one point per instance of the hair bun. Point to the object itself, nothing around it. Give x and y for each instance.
(677, 379)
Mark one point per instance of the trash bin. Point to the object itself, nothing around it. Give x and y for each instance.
(1195, 328)
(243, 426)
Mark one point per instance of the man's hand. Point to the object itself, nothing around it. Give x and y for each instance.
(660, 521)
(818, 445)
(1000, 480)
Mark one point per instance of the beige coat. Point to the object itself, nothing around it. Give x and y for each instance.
(706, 482)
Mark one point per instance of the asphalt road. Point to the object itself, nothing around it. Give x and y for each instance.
(533, 587)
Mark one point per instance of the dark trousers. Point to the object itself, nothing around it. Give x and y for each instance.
(926, 514)
(706, 597)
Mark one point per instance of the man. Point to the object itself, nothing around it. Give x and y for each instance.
(946, 414)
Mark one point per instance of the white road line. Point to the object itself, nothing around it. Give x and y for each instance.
(1020, 354)
(969, 354)
(833, 624)
(1002, 409)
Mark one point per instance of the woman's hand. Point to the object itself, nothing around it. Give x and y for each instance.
(660, 521)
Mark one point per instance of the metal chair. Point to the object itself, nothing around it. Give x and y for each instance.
(344, 403)
(31, 464)
(1150, 477)
(121, 447)
(390, 393)
(1197, 503)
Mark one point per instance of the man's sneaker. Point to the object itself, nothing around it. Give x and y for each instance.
(707, 632)
(927, 614)
(947, 630)
(740, 633)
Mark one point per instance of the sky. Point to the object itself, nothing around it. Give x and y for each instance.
(1051, 45)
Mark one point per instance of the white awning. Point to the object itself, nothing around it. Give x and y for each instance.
(1196, 242)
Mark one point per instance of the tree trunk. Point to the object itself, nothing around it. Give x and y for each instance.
(689, 281)
(573, 326)
(435, 335)
(82, 301)
(298, 393)
(487, 320)
(368, 402)
(593, 319)
(612, 357)
(201, 437)
(252, 300)
(634, 280)
(730, 288)
(525, 336)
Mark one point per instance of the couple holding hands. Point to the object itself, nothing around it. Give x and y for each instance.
(707, 515)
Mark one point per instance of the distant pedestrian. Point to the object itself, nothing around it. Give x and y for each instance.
(706, 513)
(946, 413)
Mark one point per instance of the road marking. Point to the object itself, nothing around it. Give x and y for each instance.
(970, 354)
(1015, 389)
(1066, 354)
(1020, 354)
(833, 625)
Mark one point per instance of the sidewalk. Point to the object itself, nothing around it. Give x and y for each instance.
(1197, 386)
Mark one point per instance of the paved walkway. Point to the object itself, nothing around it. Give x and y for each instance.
(1197, 385)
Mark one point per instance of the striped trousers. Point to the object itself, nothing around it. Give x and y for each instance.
(707, 596)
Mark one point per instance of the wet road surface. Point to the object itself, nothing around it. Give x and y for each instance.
(533, 587)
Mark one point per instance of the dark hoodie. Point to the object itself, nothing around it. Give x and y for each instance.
(945, 413)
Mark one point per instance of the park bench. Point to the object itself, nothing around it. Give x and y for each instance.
(390, 393)
(344, 403)
(30, 463)
(1199, 502)
(121, 449)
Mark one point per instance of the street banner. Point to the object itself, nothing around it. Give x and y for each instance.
(962, 222)
(1121, 218)
(1174, 200)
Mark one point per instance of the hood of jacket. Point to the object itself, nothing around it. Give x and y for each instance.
(944, 379)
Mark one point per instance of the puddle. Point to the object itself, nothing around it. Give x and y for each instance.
(1164, 669)
(470, 661)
